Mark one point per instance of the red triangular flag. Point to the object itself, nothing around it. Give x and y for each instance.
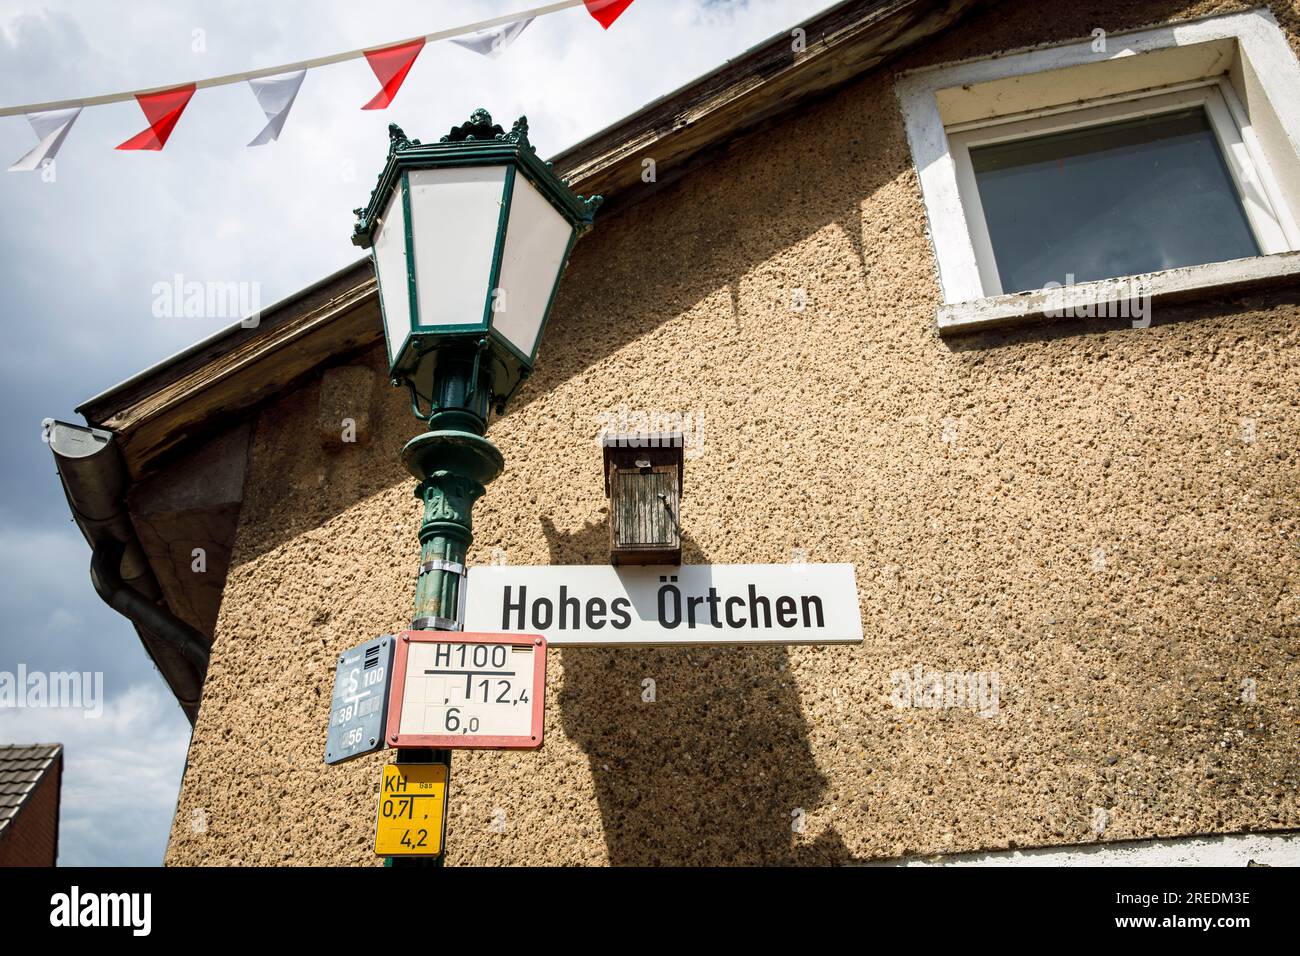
(607, 11)
(391, 64)
(162, 110)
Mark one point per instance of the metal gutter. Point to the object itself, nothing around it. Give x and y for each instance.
(781, 37)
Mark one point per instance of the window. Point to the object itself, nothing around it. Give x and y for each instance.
(1057, 167)
(1151, 184)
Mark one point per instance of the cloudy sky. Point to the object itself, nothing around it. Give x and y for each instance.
(79, 257)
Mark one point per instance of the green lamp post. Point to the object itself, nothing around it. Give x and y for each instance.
(469, 237)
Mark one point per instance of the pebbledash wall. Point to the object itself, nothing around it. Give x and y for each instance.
(1104, 517)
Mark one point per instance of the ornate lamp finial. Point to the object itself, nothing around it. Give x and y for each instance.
(399, 140)
(479, 126)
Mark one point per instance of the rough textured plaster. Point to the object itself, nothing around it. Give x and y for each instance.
(1094, 528)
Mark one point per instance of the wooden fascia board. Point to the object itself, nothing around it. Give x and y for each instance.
(842, 43)
(176, 410)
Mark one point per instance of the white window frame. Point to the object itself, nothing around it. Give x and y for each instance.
(1222, 62)
(1273, 231)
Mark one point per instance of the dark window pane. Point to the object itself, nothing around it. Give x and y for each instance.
(1137, 196)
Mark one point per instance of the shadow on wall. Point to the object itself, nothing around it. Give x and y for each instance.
(710, 764)
(655, 260)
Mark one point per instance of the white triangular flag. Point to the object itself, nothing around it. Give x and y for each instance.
(493, 42)
(275, 94)
(52, 129)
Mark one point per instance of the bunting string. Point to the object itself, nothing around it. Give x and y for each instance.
(276, 87)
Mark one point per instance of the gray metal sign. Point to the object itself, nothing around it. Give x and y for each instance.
(359, 709)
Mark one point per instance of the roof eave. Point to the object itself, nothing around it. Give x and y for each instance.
(679, 129)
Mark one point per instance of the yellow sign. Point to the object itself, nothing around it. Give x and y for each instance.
(412, 809)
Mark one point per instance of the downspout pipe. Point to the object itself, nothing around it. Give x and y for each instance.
(95, 482)
(139, 610)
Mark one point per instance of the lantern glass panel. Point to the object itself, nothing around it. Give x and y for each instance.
(390, 264)
(455, 215)
(537, 239)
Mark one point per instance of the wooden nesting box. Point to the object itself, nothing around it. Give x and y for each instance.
(643, 481)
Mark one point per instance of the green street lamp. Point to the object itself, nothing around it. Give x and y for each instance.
(469, 237)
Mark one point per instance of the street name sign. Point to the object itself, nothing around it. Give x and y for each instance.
(412, 817)
(359, 704)
(668, 605)
(460, 690)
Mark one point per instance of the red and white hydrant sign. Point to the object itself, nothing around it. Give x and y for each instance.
(468, 691)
